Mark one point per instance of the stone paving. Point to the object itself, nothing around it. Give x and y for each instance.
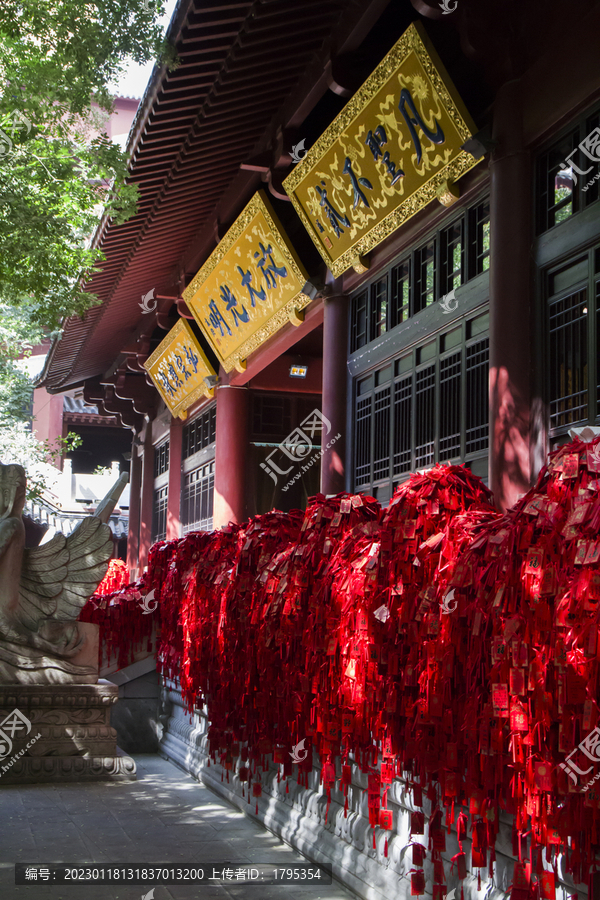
(163, 817)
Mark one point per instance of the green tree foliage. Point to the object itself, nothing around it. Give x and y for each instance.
(18, 334)
(39, 459)
(57, 176)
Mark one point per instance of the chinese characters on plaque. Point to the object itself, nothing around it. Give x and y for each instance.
(178, 368)
(393, 148)
(249, 287)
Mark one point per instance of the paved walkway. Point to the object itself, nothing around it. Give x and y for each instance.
(163, 817)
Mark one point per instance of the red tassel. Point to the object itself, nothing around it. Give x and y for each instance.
(257, 807)
(385, 848)
(287, 787)
(374, 844)
(479, 880)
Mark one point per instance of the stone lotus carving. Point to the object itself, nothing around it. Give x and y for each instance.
(43, 589)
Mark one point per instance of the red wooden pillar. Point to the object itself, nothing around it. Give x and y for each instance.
(147, 504)
(174, 498)
(231, 453)
(333, 404)
(510, 460)
(133, 535)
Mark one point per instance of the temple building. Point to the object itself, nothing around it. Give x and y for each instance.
(368, 241)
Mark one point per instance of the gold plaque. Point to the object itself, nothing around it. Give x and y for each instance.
(249, 287)
(395, 143)
(178, 368)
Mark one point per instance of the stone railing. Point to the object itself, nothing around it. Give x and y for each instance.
(344, 843)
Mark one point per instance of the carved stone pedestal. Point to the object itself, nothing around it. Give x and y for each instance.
(61, 732)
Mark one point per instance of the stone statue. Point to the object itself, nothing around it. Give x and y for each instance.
(43, 589)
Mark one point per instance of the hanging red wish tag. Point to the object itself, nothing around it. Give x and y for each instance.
(418, 854)
(385, 819)
(256, 792)
(417, 822)
(417, 883)
(461, 865)
(387, 773)
(547, 885)
(570, 465)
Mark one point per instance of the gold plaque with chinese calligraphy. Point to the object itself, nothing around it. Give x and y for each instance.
(249, 287)
(390, 151)
(178, 368)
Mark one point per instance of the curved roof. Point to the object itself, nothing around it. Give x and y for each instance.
(246, 65)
